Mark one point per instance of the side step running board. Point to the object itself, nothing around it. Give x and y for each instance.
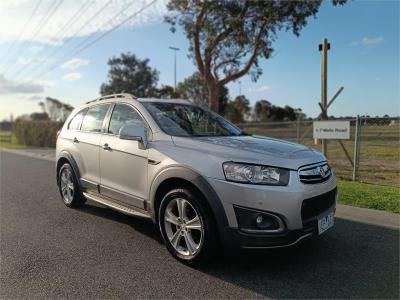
(113, 205)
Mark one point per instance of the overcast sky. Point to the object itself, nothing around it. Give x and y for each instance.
(41, 55)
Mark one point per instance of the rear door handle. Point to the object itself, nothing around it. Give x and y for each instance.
(76, 140)
(106, 147)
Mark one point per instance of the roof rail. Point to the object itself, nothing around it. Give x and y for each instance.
(121, 95)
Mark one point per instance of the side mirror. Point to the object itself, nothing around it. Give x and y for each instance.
(134, 133)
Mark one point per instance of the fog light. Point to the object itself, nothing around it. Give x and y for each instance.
(258, 222)
(263, 222)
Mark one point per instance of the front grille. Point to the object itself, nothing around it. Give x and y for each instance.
(312, 207)
(316, 173)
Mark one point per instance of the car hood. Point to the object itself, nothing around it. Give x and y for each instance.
(253, 149)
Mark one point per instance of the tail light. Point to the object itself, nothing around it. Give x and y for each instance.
(58, 133)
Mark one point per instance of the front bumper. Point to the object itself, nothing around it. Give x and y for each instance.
(290, 203)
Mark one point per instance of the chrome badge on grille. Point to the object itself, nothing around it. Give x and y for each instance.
(321, 172)
(315, 173)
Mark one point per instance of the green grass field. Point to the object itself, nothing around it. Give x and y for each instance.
(369, 196)
(14, 143)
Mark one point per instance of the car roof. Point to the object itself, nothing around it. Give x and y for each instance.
(130, 97)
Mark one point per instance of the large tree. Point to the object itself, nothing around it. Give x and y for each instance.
(129, 74)
(227, 38)
(194, 88)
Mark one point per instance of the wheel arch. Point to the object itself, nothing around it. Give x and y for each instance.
(66, 157)
(177, 176)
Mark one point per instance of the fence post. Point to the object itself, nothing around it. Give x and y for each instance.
(357, 148)
(298, 130)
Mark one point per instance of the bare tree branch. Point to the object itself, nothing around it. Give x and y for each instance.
(247, 66)
(223, 35)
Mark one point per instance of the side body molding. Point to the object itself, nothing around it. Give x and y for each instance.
(197, 180)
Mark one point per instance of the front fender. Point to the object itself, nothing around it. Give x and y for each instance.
(199, 182)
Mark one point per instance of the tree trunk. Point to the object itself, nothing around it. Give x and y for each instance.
(214, 94)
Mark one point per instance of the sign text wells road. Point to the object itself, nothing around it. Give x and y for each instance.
(336, 130)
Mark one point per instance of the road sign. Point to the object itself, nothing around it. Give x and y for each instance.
(335, 130)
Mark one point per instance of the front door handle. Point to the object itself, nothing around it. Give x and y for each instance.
(106, 147)
(76, 140)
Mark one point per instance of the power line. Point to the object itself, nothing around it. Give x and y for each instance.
(23, 30)
(47, 19)
(100, 37)
(56, 50)
(21, 48)
(49, 13)
(115, 27)
(105, 25)
(79, 13)
(75, 17)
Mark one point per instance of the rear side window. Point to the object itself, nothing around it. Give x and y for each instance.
(93, 120)
(123, 115)
(76, 121)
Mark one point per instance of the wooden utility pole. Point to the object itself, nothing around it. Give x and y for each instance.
(324, 47)
(357, 148)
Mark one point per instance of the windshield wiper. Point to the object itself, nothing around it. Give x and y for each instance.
(243, 133)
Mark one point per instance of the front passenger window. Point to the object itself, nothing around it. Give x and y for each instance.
(123, 115)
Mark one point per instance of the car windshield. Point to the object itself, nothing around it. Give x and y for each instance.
(190, 120)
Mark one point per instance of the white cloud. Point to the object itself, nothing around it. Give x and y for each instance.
(369, 41)
(72, 76)
(33, 61)
(19, 87)
(14, 14)
(75, 63)
(260, 89)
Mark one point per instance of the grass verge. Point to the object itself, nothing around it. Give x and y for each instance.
(369, 196)
(4, 140)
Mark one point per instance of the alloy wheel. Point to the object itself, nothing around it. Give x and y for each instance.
(67, 185)
(183, 227)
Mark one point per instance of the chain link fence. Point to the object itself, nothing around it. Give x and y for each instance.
(379, 147)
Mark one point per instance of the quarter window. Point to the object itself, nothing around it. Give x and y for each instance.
(93, 120)
(76, 121)
(123, 115)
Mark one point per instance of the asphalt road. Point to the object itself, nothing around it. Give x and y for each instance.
(51, 251)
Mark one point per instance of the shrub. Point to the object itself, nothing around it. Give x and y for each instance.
(37, 133)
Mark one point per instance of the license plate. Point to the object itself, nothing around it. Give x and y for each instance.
(325, 222)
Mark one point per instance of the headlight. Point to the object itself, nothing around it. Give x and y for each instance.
(255, 174)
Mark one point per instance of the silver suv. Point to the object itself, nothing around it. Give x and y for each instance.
(202, 180)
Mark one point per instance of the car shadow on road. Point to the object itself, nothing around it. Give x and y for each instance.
(142, 225)
(354, 260)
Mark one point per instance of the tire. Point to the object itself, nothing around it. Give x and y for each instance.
(69, 188)
(190, 234)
